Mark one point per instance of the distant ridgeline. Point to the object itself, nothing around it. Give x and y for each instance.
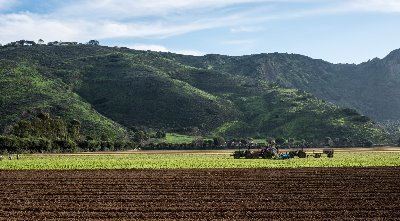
(22, 43)
(117, 94)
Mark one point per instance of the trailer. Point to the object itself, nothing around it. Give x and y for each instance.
(318, 154)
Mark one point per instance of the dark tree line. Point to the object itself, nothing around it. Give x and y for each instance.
(196, 144)
(43, 133)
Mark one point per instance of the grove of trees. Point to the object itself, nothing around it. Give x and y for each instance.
(43, 133)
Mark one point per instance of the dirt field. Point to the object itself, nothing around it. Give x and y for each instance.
(230, 194)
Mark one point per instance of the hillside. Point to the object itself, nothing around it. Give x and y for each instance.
(370, 87)
(117, 89)
(24, 90)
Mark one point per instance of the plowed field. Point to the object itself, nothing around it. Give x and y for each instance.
(230, 194)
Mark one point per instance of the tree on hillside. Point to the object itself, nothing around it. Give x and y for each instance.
(270, 141)
(280, 141)
(93, 42)
(43, 116)
(140, 137)
(218, 141)
(44, 126)
(161, 134)
(195, 131)
(74, 128)
(53, 43)
(40, 42)
(23, 128)
(198, 142)
(291, 142)
(328, 142)
(368, 143)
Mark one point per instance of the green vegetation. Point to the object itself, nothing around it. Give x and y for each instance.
(40, 132)
(370, 87)
(195, 160)
(112, 90)
(178, 138)
(25, 91)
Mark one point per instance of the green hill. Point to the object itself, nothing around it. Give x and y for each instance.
(111, 89)
(24, 89)
(370, 87)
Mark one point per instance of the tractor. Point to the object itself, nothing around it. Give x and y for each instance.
(297, 153)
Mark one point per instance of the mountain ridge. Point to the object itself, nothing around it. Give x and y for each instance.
(342, 84)
(182, 93)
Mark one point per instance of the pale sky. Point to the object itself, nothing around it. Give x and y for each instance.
(338, 31)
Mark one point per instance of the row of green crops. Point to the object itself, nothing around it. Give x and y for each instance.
(172, 161)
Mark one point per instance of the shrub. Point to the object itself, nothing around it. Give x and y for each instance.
(106, 145)
(40, 144)
(368, 143)
(65, 145)
(280, 140)
(361, 119)
(218, 141)
(8, 143)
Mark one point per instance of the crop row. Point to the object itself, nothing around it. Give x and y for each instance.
(159, 161)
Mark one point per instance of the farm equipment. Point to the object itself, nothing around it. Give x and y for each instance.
(318, 154)
(270, 152)
(328, 152)
(265, 152)
(297, 153)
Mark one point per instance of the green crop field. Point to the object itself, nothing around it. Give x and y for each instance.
(191, 160)
(178, 138)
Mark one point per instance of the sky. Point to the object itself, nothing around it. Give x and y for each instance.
(338, 31)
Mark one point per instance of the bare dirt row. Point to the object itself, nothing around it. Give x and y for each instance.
(202, 194)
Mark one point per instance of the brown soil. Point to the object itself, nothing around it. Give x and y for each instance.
(192, 194)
